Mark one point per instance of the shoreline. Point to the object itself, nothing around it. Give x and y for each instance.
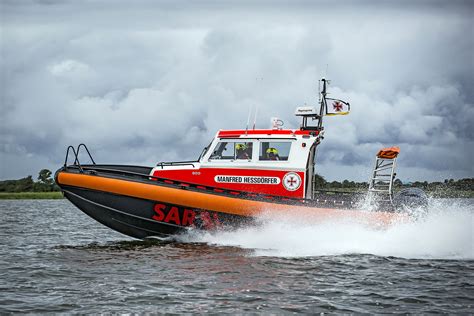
(55, 195)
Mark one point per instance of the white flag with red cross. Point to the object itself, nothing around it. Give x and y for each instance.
(337, 107)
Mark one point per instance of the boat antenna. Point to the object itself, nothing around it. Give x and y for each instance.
(257, 81)
(255, 118)
(248, 120)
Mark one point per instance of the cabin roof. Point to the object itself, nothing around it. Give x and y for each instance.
(266, 132)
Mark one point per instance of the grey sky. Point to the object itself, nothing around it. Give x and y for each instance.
(147, 81)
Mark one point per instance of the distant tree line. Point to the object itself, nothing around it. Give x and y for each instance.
(45, 183)
(321, 183)
(466, 184)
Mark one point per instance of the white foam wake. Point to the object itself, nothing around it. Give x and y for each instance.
(445, 233)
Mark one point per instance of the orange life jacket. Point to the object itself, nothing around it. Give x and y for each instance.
(389, 153)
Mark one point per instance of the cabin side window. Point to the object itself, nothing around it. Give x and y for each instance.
(274, 151)
(232, 150)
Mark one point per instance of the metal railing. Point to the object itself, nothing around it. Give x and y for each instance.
(76, 155)
(177, 163)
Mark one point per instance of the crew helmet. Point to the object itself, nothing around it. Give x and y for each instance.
(240, 146)
(272, 151)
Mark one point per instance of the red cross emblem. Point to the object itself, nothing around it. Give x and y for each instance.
(337, 105)
(291, 181)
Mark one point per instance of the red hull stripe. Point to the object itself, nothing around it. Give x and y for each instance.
(209, 177)
(237, 133)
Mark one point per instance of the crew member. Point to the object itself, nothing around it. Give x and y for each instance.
(242, 151)
(272, 154)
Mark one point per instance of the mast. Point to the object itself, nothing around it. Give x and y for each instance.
(338, 107)
(322, 104)
(310, 113)
(312, 163)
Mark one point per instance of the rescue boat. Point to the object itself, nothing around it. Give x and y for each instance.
(239, 176)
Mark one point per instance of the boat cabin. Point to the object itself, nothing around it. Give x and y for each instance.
(265, 161)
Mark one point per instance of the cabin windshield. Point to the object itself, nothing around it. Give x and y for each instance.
(232, 150)
(205, 150)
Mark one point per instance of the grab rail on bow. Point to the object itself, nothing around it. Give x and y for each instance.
(76, 152)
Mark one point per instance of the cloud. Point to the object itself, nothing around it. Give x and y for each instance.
(153, 81)
(70, 68)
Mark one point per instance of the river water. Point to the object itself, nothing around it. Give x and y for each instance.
(54, 258)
